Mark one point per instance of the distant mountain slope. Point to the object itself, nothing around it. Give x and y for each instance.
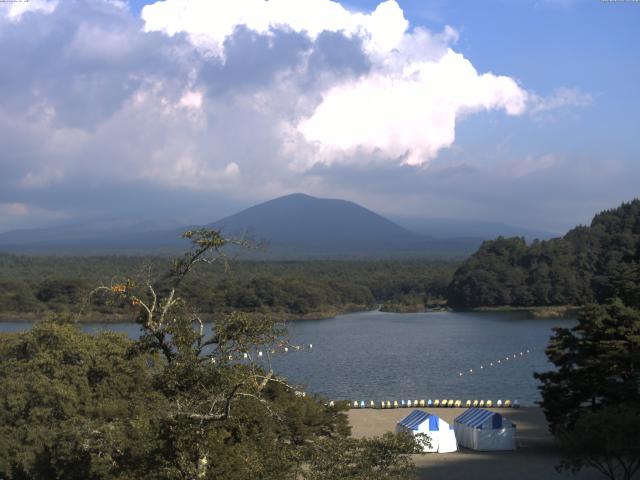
(293, 226)
(95, 236)
(301, 223)
(452, 228)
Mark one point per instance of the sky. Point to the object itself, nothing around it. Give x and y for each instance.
(520, 111)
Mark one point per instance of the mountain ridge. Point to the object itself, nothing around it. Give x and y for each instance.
(294, 225)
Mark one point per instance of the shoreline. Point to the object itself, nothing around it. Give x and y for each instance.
(556, 311)
(96, 317)
(562, 311)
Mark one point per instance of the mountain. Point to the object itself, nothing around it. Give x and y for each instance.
(292, 226)
(301, 223)
(452, 228)
(107, 235)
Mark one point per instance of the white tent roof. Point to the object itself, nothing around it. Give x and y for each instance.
(415, 419)
(481, 429)
(441, 435)
(484, 419)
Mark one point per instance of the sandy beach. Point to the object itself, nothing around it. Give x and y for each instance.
(534, 459)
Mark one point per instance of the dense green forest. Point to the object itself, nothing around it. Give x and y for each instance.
(178, 403)
(581, 267)
(35, 286)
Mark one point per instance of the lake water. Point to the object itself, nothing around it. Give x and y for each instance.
(387, 356)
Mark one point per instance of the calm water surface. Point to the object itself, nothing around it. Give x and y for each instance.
(380, 356)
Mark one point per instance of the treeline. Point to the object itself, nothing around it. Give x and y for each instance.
(584, 266)
(38, 285)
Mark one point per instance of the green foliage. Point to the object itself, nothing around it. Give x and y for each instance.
(604, 439)
(579, 268)
(383, 458)
(182, 402)
(598, 364)
(287, 289)
(68, 401)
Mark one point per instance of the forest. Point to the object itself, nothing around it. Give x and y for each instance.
(33, 287)
(579, 268)
(582, 267)
(178, 403)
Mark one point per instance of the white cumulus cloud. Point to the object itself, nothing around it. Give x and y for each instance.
(405, 108)
(410, 113)
(209, 23)
(14, 10)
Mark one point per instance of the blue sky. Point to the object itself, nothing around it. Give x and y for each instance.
(525, 112)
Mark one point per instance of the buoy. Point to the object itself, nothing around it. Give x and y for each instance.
(489, 404)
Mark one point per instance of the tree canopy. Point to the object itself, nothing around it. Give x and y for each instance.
(592, 399)
(185, 401)
(573, 270)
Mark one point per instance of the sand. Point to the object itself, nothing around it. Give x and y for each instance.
(534, 459)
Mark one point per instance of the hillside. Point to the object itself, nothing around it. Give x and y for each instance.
(454, 228)
(293, 226)
(301, 224)
(589, 263)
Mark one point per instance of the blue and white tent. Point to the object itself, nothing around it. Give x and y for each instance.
(440, 433)
(481, 429)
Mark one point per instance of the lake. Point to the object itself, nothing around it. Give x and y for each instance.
(387, 356)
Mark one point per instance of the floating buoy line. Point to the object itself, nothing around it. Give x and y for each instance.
(259, 354)
(500, 361)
